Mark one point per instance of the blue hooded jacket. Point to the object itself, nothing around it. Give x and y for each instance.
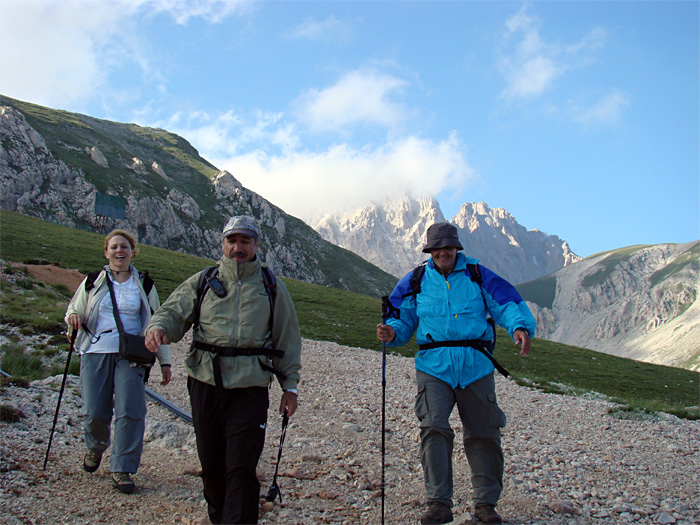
(453, 309)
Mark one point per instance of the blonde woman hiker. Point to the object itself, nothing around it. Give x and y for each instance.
(113, 388)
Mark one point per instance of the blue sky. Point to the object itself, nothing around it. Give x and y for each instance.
(581, 119)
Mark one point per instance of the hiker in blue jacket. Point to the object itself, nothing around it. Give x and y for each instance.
(449, 317)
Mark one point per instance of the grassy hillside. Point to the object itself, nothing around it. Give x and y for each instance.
(119, 143)
(327, 314)
(69, 137)
(541, 291)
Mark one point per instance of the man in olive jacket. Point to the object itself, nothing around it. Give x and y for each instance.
(238, 346)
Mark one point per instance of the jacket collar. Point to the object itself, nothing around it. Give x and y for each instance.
(235, 270)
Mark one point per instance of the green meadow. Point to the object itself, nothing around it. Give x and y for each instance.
(325, 314)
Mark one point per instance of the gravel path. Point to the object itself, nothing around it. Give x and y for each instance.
(567, 460)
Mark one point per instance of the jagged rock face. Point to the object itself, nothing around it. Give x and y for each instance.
(641, 303)
(392, 236)
(33, 181)
(27, 166)
(493, 236)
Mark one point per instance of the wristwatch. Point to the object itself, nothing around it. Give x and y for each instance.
(291, 390)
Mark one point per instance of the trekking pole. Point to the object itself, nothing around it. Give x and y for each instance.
(274, 488)
(60, 395)
(386, 309)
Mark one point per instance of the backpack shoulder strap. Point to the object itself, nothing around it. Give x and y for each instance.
(270, 282)
(202, 287)
(146, 282)
(90, 280)
(416, 278)
(474, 273)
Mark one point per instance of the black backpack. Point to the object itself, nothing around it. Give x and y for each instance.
(207, 280)
(210, 273)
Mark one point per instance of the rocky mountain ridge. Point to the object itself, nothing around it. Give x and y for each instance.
(54, 165)
(640, 302)
(392, 236)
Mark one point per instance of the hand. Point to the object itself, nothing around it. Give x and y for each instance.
(74, 322)
(167, 374)
(288, 402)
(385, 333)
(521, 337)
(155, 338)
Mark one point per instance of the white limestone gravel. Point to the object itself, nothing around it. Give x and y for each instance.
(568, 461)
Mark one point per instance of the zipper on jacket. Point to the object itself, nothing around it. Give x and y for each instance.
(448, 296)
(237, 309)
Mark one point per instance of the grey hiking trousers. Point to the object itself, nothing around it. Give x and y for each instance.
(482, 421)
(110, 386)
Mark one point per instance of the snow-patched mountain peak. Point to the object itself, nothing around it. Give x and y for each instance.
(389, 235)
(392, 235)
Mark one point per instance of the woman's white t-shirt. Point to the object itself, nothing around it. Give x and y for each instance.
(129, 303)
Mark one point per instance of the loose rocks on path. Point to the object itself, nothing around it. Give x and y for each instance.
(567, 460)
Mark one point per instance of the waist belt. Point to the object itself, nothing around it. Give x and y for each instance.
(233, 351)
(485, 347)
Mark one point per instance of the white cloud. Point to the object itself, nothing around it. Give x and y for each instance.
(530, 65)
(606, 111)
(265, 151)
(64, 51)
(527, 63)
(361, 96)
(308, 184)
(56, 48)
(329, 29)
(213, 11)
(530, 77)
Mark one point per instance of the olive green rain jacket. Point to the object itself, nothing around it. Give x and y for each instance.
(240, 319)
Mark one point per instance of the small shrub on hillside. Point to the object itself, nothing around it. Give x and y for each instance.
(17, 362)
(25, 284)
(10, 414)
(19, 382)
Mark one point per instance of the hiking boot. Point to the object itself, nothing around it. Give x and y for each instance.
(487, 514)
(91, 461)
(436, 513)
(122, 481)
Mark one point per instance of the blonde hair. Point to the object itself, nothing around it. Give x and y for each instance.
(128, 236)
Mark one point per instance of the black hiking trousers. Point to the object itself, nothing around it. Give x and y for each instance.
(230, 429)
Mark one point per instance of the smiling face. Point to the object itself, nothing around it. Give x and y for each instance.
(444, 259)
(240, 248)
(119, 253)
